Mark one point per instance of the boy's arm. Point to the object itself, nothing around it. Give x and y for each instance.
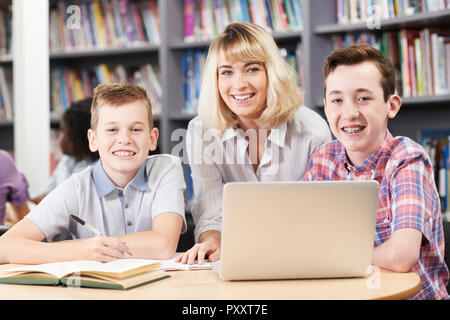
(159, 243)
(22, 244)
(167, 210)
(412, 207)
(400, 252)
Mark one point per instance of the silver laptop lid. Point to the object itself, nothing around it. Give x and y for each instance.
(285, 230)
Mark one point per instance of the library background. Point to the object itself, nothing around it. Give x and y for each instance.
(56, 52)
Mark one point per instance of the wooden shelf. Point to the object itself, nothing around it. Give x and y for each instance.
(418, 20)
(55, 122)
(103, 52)
(199, 44)
(288, 35)
(7, 58)
(6, 123)
(421, 100)
(182, 117)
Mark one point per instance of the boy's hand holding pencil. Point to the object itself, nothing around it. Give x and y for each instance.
(103, 248)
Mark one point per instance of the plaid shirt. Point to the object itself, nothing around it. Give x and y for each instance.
(408, 199)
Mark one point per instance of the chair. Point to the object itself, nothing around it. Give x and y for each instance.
(187, 239)
(446, 225)
(3, 229)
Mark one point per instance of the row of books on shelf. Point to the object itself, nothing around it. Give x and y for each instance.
(421, 58)
(293, 58)
(357, 11)
(6, 103)
(104, 24)
(5, 30)
(205, 19)
(192, 64)
(437, 144)
(68, 85)
(192, 68)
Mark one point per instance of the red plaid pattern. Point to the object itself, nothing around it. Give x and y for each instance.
(408, 199)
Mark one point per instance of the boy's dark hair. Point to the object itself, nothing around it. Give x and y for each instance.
(356, 54)
(77, 121)
(117, 94)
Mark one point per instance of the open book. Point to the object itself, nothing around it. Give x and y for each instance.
(119, 274)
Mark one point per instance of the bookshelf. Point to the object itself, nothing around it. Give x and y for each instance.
(432, 111)
(418, 20)
(319, 25)
(6, 120)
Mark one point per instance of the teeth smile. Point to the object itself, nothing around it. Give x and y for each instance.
(353, 130)
(242, 97)
(124, 153)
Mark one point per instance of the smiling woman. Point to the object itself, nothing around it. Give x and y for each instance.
(243, 86)
(251, 126)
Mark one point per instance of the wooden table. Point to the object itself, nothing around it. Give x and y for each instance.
(205, 285)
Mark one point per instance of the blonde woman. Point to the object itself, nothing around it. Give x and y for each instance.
(251, 127)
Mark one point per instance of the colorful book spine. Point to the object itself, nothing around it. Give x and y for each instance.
(105, 24)
(153, 6)
(245, 11)
(412, 70)
(436, 143)
(421, 58)
(205, 19)
(6, 108)
(355, 11)
(68, 85)
(418, 66)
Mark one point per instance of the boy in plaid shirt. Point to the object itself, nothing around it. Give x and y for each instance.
(359, 90)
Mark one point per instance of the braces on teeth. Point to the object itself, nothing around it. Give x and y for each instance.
(353, 130)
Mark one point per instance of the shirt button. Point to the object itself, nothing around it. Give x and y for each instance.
(386, 220)
(129, 223)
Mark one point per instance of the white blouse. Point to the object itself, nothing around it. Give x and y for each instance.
(216, 159)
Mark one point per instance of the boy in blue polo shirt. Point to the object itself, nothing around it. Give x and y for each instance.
(134, 200)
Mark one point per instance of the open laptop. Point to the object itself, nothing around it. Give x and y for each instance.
(294, 230)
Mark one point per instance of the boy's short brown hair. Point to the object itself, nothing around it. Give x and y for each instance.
(117, 94)
(356, 54)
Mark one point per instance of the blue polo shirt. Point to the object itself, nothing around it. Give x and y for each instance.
(157, 188)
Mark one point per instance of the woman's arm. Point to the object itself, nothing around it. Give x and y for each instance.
(208, 187)
(208, 246)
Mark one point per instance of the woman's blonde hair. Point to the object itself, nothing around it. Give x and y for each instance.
(249, 42)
